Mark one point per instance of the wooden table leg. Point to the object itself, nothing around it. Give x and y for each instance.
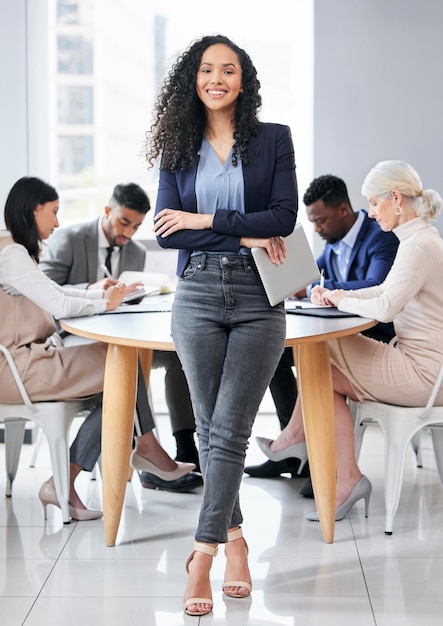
(145, 357)
(315, 388)
(117, 431)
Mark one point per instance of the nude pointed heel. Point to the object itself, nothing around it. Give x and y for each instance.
(210, 551)
(48, 495)
(235, 535)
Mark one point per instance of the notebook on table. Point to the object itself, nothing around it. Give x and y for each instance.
(298, 270)
(322, 311)
(306, 307)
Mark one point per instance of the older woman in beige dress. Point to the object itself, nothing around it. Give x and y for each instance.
(411, 296)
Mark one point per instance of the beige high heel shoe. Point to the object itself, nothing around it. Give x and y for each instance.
(234, 535)
(140, 464)
(48, 495)
(210, 551)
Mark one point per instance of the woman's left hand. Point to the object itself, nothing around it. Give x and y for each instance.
(169, 221)
(275, 247)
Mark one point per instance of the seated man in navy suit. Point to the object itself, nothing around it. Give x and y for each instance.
(76, 256)
(357, 254)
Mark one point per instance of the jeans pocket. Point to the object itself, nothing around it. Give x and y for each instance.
(191, 270)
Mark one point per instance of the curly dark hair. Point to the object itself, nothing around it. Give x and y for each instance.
(25, 195)
(331, 189)
(180, 117)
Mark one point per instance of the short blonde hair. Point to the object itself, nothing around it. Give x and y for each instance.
(389, 175)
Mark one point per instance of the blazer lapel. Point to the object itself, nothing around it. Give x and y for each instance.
(358, 242)
(91, 244)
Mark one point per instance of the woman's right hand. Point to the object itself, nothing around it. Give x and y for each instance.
(114, 295)
(317, 295)
(274, 246)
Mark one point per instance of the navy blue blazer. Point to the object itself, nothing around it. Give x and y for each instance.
(271, 200)
(370, 261)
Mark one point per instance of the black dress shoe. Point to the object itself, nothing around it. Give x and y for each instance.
(181, 485)
(273, 469)
(306, 491)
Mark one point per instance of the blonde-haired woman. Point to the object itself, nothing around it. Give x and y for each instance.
(411, 297)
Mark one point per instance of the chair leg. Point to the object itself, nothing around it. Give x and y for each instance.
(37, 444)
(97, 469)
(397, 440)
(358, 439)
(57, 436)
(437, 442)
(14, 433)
(359, 428)
(415, 443)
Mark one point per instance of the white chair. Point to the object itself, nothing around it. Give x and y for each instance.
(54, 418)
(399, 425)
(360, 431)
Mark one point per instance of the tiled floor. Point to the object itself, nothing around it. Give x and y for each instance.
(52, 574)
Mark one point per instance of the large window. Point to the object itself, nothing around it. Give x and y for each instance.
(109, 58)
(74, 54)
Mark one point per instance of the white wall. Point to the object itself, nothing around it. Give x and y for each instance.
(378, 89)
(23, 104)
(13, 101)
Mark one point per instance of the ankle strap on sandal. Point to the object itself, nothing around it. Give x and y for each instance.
(205, 548)
(233, 535)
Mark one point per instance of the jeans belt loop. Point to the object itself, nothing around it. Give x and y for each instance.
(204, 258)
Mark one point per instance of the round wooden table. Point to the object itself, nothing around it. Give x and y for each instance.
(130, 335)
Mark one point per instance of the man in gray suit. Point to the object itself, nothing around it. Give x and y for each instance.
(76, 256)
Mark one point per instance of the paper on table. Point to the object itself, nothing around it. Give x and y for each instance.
(152, 282)
(154, 304)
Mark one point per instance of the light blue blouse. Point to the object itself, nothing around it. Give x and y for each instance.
(218, 185)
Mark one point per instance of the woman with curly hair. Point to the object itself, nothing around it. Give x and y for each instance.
(227, 183)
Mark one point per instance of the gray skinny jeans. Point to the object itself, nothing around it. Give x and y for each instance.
(229, 340)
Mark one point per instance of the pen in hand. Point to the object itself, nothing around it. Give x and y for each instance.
(322, 279)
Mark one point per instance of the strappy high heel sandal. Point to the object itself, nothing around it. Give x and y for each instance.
(210, 551)
(234, 535)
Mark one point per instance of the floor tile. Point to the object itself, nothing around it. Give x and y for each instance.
(13, 610)
(51, 573)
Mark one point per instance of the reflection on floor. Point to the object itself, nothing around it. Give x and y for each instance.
(52, 574)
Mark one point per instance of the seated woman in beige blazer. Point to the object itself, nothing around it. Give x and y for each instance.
(29, 302)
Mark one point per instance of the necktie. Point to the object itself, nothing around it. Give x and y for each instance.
(109, 251)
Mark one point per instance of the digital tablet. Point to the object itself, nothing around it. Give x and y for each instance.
(298, 270)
